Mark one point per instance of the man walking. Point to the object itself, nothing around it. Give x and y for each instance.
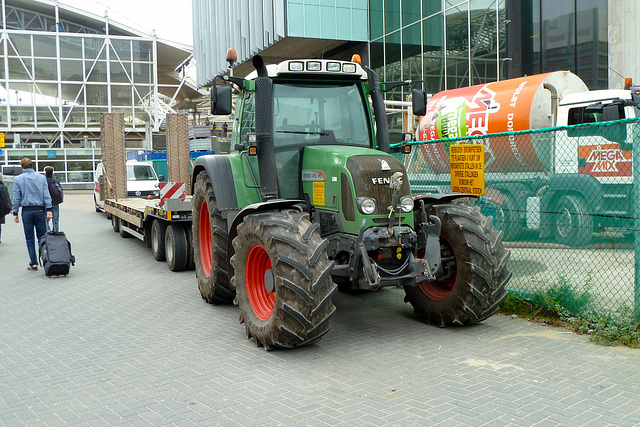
(31, 193)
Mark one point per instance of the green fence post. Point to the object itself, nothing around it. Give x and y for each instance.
(635, 205)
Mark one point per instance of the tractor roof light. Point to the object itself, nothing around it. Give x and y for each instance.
(314, 66)
(349, 68)
(333, 66)
(296, 66)
(356, 58)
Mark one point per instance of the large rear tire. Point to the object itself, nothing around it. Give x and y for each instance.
(475, 270)
(175, 245)
(282, 279)
(210, 238)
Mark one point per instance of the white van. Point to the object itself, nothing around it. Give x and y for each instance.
(142, 181)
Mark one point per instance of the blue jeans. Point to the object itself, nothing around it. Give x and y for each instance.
(33, 219)
(54, 220)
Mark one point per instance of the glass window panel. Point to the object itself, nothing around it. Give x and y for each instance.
(46, 93)
(411, 53)
(96, 71)
(142, 72)
(433, 29)
(46, 158)
(558, 35)
(46, 116)
(19, 70)
(393, 69)
(483, 41)
(97, 95)
(45, 69)
(20, 153)
(72, 93)
(73, 116)
(22, 115)
(429, 7)
(141, 94)
(410, 12)
(391, 15)
(120, 95)
(80, 176)
(122, 49)
(376, 55)
(140, 117)
(142, 50)
(72, 70)
(21, 44)
(457, 48)
(375, 19)
(44, 46)
(93, 48)
(93, 116)
(79, 154)
(120, 72)
(592, 48)
(70, 47)
(3, 115)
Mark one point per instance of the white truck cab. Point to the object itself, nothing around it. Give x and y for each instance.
(142, 181)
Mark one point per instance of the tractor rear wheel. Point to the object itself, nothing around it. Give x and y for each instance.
(474, 273)
(282, 277)
(210, 244)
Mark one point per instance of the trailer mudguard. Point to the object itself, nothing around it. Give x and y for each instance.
(220, 172)
(580, 184)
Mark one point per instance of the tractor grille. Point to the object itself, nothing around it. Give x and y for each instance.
(369, 180)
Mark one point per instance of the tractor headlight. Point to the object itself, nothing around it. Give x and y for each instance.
(367, 205)
(406, 203)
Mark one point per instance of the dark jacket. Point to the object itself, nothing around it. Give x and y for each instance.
(5, 201)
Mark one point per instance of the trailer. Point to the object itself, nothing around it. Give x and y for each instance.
(164, 225)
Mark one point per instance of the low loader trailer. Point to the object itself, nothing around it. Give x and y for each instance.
(165, 227)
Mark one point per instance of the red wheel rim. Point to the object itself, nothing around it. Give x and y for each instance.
(440, 289)
(204, 238)
(262, 301)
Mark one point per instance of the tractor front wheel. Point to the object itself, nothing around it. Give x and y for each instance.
(282, 278)
(472, 283)
(210, 237)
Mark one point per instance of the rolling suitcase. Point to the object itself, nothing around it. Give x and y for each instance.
(55, 254)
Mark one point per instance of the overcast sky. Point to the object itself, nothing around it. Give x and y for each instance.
(171, 19)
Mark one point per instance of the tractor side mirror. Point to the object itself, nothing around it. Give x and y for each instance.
(419, 102)
(221, 100)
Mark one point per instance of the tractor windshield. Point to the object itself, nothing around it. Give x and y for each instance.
(320, 114)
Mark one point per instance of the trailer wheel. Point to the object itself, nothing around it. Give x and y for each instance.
(115, 223)
(122, 231)
(282, 279)
(475, 272)
(158, 230)
(175, 245)
(510, 222)
(210, 238)
(573, 225)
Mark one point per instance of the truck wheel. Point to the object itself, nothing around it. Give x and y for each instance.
(474, 275)
(510, 222)
(210, 244)
(282, 279)
(115, 223)
(175, 246)
(158, 230)
(573, 225)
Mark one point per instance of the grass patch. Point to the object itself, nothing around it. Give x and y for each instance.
(569, 306)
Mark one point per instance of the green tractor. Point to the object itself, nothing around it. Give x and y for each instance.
(311, 200)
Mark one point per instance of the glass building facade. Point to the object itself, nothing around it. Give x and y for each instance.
(456, 43)
(60, 69)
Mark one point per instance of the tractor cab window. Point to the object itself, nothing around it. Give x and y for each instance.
(247, 118)
(307, 114)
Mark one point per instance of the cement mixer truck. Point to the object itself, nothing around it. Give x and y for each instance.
(566, 184)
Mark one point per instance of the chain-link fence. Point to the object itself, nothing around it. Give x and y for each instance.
(566, 201)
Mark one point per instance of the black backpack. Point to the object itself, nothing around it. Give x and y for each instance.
(57, 195)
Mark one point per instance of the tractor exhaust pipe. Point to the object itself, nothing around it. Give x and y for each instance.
(264, 131)
(382, 133)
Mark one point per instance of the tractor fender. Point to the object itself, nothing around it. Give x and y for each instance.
(221, 175)
(269, 205)
(436, 198)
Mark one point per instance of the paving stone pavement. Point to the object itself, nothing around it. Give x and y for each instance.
(124, 341)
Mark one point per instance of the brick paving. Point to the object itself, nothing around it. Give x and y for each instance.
(125, 341)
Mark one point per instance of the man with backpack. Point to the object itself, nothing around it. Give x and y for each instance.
(57, 196)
